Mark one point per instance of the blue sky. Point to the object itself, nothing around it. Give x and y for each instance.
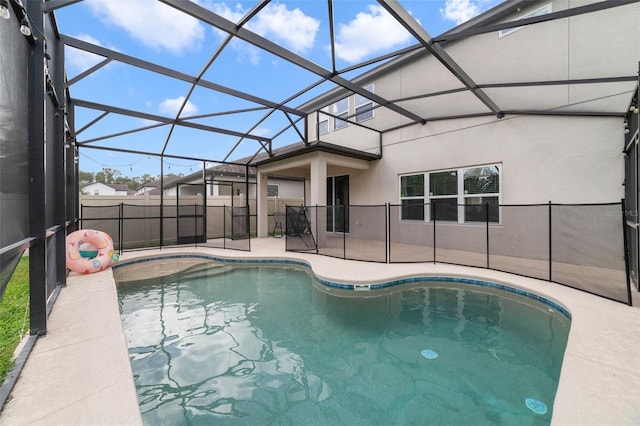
(157, 33)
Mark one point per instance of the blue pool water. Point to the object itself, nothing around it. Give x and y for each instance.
(263, 345)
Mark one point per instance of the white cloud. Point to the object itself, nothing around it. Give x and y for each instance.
(293, 28)
(79, 60)
(172, 106)
(290, 28)
(262, 131)
(460, 11)
(152, 23)
(231, 14)
(369, 32)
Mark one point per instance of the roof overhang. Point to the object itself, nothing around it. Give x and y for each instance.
(323, 147)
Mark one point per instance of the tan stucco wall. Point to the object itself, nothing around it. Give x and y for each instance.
(559, 159)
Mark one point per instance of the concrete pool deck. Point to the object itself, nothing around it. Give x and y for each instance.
(79, 374)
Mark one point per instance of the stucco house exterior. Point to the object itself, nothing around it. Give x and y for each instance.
(555, 134)
(99, 188)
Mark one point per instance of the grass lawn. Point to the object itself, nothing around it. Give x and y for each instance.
(13, 307)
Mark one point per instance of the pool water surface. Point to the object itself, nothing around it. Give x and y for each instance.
(264, 345)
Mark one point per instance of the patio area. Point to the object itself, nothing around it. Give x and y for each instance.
(80, 372)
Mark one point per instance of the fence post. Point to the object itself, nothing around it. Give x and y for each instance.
(433, 208)
(317, 236)
(121, 228)
(387, 230)
(550, 245)
(286, 234)
(344, 231)
(195, 224)
(487, 220)
(224, 225)
(626, 251)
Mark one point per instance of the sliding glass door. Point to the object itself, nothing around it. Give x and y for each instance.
(338, 203)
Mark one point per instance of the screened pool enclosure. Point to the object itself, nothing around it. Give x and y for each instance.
(53, 117)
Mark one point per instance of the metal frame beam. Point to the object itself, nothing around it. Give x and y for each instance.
(161, 119)
(381, 58)
(602, 80)
(87, 72)
(229, 27)
(332, 39)
(123, 133)
(58, 141)
(51, 5)
(92, 122)
(155, 154)
(38, 271)
(218, 114)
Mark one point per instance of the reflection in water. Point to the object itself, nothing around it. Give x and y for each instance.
(262, 345)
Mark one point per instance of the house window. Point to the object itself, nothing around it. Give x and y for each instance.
(323, 122)
(364, 106)
(96, 192)
(341, 109)
(412, 197)
(538, 12)
(481, 189)
(443, 194)
(272, 190)
(459, 195)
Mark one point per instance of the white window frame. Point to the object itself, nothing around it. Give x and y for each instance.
(461, 197)
(360, 102)
(344, 113)
(498, 194)
(323, 122)
(422, 197)
(445, 197)
(544, 10)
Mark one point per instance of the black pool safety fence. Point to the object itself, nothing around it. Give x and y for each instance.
(583, 246)
(134, 227)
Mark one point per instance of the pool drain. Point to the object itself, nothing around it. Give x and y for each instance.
(429, 354)
(536, 406)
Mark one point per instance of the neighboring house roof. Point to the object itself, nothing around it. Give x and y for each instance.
(154, 187)
(120, 187)
(237, 169)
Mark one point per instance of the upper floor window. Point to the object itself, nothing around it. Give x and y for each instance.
(538, 12)
(341, 109)
(323, 122)
(364, 106)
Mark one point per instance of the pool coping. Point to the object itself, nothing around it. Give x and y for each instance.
(599, 381)
(355, 287)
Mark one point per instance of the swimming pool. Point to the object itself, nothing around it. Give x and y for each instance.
(261, 344)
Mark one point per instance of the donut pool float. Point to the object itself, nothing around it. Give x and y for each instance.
(97, 248)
